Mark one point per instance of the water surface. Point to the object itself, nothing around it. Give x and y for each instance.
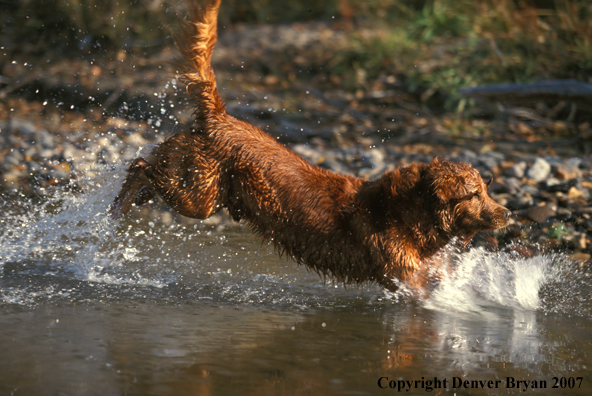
(140, 307)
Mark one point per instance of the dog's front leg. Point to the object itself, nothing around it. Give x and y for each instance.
(137, 188)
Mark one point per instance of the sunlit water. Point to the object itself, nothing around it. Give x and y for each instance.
(89, 306)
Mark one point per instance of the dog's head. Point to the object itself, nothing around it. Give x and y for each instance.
(460, 201)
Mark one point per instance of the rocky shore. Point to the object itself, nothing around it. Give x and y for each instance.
(46, 141)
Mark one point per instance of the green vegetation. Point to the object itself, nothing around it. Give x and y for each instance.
(447, 45)
(558, 231)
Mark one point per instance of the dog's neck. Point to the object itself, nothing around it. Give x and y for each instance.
(389, 208)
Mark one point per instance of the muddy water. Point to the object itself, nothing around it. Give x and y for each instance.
(89, 307)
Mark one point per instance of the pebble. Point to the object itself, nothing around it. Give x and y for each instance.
(541, 214)
(522, 202)
(135, 139)
(568, 170)
(512, 185)
(554, 185)
(583, 259)
(574, 193)
(489, 162)
(540, 170)
(517, 171)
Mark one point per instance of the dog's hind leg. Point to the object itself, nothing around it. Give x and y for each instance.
(137, 188)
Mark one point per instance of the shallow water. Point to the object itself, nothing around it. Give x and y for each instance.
(137, 307)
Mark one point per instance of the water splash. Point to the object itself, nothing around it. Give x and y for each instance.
(69, 236)
(479, 280)
(67, 233)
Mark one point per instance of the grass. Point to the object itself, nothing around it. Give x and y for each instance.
(451, 44)
(558, 231)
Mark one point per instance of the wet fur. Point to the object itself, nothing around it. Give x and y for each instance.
(344, 227)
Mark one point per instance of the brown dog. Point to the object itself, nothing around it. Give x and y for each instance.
(348, 228)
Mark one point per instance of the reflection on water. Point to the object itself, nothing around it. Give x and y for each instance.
(89, 307)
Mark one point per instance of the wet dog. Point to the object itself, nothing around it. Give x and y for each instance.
(347, 228)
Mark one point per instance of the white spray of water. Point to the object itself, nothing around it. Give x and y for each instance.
(478, 280)
(483, 278)
(70, 230)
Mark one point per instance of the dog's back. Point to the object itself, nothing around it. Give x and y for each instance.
(348, 228)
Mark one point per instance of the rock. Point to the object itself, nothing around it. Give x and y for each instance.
(496, 154)
(522, 202)
(46, 140)
(582, 241)
(501, 199)
(554, 185)
(489, 162)
(564, 214)
(541, 214)
(550, 182)
(14, 158)
(374, 158)
(69, 152)
(517, 170)
(307, 153)
(540, 170)
(574, 193)
(583, 259)
(526, 189)
(11, 178)
(34, 167)
(513, 184)
(498, 186)
(332, 164)
(568, 170)
(468, 155)
(135, 139)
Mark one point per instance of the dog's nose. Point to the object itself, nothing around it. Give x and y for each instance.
(507, 214)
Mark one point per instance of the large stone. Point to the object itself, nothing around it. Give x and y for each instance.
(541, 214)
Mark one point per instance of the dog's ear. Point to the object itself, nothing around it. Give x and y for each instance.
(447, 182)
(450, 188)
(401, 182)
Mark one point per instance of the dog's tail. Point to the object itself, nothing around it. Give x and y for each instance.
(196, 42)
